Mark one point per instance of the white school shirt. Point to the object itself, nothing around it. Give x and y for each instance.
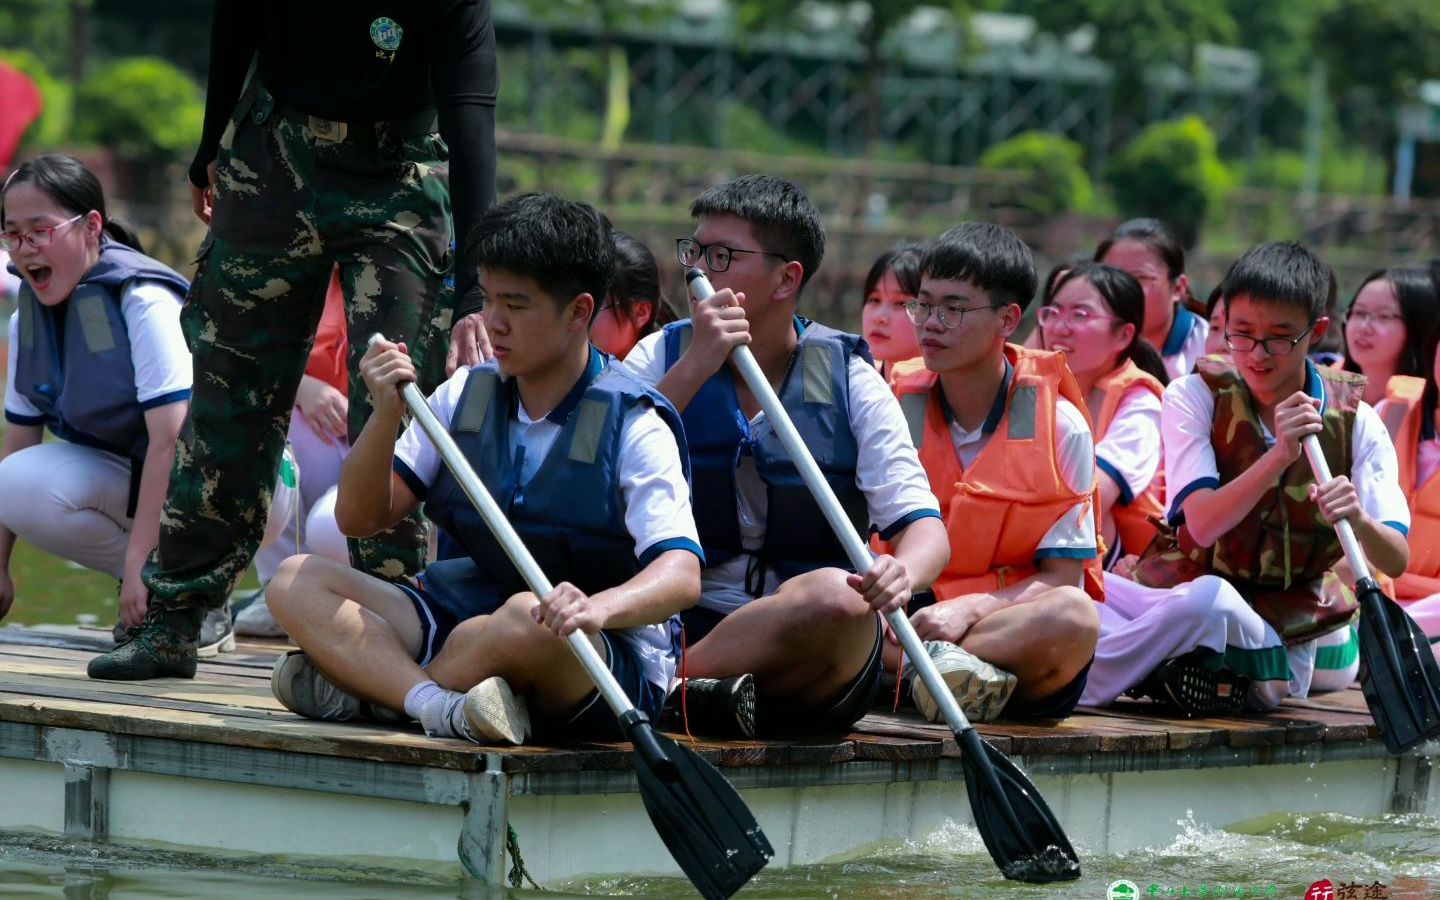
(1130, 450)
(1188, 414)
(163, 370)
(1073, 534)
(1185, 343)
(652, 487)
(887, 472)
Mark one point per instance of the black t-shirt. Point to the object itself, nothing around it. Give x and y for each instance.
(367, 61)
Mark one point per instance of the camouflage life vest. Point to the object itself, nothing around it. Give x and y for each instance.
(1280, 555)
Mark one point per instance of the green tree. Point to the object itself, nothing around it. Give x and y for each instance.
(142, 108)
(1384, 46)
(1173, 172)
(53, 126)
(1058, 182)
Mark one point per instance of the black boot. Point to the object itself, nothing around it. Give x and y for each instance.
(717, 707)
(164, 646)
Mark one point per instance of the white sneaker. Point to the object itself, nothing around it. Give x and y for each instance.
(981, 689)
(304, 690)
(256, 620)
(495, 714)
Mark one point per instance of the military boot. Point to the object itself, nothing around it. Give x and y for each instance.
(163, 646)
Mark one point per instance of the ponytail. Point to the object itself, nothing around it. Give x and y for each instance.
(120, 231)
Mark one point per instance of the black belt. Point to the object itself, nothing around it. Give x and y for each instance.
(420, 122)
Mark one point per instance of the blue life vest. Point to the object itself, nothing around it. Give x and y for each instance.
(571, 514)
(73, 363)
(816, 394)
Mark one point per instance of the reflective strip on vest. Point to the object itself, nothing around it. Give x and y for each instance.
(89, 300)
(477, 403)
(818, 374)
(1022, 413)
(585, 442)
(913, 406)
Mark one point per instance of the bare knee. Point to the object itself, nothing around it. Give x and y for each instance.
(290, 581)
(826, 600)
(1068, 626)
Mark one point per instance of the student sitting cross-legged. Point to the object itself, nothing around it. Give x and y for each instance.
(777, 600)
(587, 463)
(1006, 442)
(1250, 605)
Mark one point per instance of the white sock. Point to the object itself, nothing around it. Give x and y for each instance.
(418, 696)
(442, 714)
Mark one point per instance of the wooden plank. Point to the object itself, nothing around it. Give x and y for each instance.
(1335, 726)
(873, 725)
(80, 658)
(291, 734)
(1119, 735)
(894, 749)
(1180, 734)
(205, 687)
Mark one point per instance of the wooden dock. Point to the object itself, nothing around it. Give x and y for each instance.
(216, 763)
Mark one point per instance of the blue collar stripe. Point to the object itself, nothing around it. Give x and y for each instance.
(560, 413)
(1179, 330)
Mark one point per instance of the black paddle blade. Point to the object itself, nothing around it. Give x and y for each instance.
(699, 815)
(1402, 688)
(1021, 833)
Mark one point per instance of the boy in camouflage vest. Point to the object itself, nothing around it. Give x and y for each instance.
(1252, 603)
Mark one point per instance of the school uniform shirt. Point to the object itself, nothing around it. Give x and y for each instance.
(1130, 450)
(1188, 414)
(888, 473)
(1073, 534)
(1185, 343)
(652, 484)
(163, 372)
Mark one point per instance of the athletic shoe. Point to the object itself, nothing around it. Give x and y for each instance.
(495, 714)
(157, 649)
(304, 690)
(718, 707)
(1188, 683)
(217, 633)
(981, 689)
(256, 620)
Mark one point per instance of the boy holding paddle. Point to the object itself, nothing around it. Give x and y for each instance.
(587, 463)
(777, 600)
(1005, 440)
(1246, 508)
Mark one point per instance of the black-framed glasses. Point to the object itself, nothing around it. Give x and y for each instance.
(10, 241)
(1276, 346)
(949, 314)
(717, 256)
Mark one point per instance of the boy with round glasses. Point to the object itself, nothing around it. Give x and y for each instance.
(778, 607)
(1254, 602)
(1005, 440)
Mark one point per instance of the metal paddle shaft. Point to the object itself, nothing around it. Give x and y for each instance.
(697, 813)
(504, 532)
(1012, 844)
(1353, 554)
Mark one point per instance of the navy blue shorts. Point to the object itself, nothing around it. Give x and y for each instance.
(786, 717)
(592, 718)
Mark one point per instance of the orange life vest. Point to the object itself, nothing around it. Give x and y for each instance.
(998, 510)
(1132, 520)
(1404, 418)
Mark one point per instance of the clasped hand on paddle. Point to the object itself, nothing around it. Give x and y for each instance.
(387, 368)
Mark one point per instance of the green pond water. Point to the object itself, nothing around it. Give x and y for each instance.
(1275, 856)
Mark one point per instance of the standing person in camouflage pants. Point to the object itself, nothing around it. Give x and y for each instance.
(332, 151)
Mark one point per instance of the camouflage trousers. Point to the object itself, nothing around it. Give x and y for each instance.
(292, 201)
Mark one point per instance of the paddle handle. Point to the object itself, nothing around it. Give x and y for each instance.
(1353, 554)
(505, 533)
(855, 548)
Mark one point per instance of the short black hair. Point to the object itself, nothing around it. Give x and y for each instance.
(992, 257)
(903, 261)
(637, 278)
(1282, 273)
(784, 219)
(564, 245)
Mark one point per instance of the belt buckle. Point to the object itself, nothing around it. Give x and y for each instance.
(327, 129)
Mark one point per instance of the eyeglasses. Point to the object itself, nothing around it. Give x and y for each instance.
(1276, 346)
(717, 256)
(1376, 320)
(1075, 317)
(949, 314)
(10, 241)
